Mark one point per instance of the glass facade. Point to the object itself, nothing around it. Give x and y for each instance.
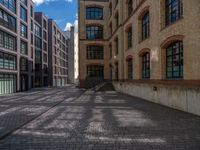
(174, 60)
(23, 13)
(23, 48)
(94, 13)
(95, 52)
(7, 41)
(7, 20)
(8, 83)
(10, 4)
(23, 30)
(7, 61)
(23, 64)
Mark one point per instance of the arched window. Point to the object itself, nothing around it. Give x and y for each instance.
(94, 32)
(130, 68)
(145, 26)
(174, 60)
(95, 52)
(146, 65)
(94, 13)
(129, 6)
(173, 11)
(95, 71)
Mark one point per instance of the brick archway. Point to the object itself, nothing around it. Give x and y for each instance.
(171, 40)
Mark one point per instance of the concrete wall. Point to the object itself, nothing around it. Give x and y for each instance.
(179, 97)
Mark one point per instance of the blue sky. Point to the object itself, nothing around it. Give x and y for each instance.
(64, 12)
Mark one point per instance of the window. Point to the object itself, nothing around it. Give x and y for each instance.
(45, 57)
(116, 2)
(24, 2)
(38, 43)
(7, 41)
(145, 26)
(10, 4)
(116, 46)
(111, 28)
(31, 25)
(94, 32)
(32, 52)
(129, 38)
(31, 38)
(146, 66)
(31, 11)
(7, 61)
(44, 35)
(23, 13)
(8, 83)
(23, 47)
(130, 7)
(38, 30)
(95, 71)
(44, 46)
(110, 10)
(7, 20)
(38, 56)
(130, 68)
(95, 52)
(110, 46)
(173, 11)
(45, 24)
(23, 30)
(23, 64)
(116, 71)
(94, 13)
(117, 20)
(174, 60)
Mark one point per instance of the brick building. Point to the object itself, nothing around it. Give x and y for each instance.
(150, 48)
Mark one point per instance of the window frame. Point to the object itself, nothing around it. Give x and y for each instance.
(94, 13)
(170, 56)
(146, 67)
(145, 23)
(94, 32)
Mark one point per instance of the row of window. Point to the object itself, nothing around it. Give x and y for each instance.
(7, 41)
(173, 12)
(7, 61)
(174, 63)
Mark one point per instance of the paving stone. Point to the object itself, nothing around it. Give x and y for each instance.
(93, 121)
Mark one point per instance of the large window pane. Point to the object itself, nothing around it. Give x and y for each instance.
(94, 13)
(174, 60)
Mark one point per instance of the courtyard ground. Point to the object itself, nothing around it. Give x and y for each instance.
(74, 119)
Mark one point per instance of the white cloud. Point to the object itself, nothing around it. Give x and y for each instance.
(38, 2)
(68, 26)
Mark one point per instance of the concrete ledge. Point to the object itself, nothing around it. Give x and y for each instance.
(178, 97)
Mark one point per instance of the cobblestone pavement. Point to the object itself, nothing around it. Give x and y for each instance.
(60, 119)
